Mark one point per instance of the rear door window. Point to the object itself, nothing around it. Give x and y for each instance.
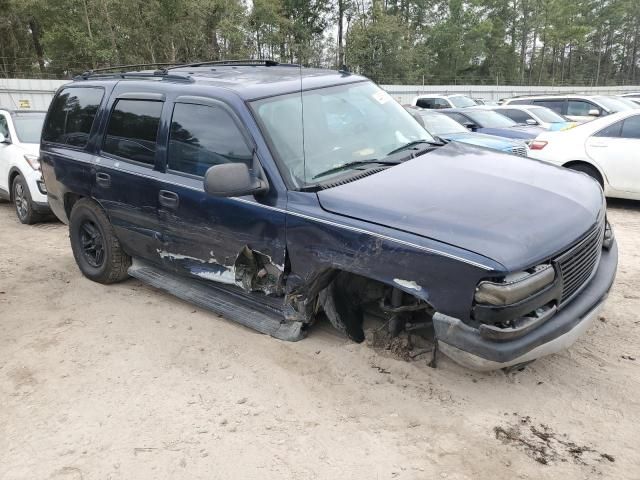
(133, 130)
(555, 105)
(71, 116)
(425, 103)
(631, 127)
(202, 136)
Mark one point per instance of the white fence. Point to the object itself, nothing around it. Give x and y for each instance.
(22, 94)
(405, 93)
(36, 94)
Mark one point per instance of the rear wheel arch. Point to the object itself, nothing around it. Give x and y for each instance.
(70, 200)
(588, 168)
(111, 264)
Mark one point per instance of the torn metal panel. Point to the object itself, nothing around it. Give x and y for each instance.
(407, 284)
(252, 270)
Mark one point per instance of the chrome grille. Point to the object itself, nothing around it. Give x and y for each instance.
(579, 262)
(522, 151)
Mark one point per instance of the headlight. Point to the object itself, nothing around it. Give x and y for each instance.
(515, 286)
(33, 161)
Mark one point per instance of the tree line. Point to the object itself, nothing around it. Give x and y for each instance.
(504, 42)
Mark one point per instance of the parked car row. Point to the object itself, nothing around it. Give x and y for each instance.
(274, 195)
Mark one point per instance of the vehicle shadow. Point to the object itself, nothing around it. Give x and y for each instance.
(623, 204)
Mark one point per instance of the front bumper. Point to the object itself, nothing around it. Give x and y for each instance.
(464, 344)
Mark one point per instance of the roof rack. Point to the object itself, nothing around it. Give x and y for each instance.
(160, 74)
(124, 71)
(247, 62)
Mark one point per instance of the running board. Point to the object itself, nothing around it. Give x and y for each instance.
(219, 300)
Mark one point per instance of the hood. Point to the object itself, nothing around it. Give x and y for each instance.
(482, 140)
(514, 210)
(29, 148)
(558, 126)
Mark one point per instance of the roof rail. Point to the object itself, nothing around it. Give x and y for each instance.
(246, 62)
(160, 74)
(127, 68)
(124, 71)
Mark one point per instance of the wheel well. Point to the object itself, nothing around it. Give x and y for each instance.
(70, 200)
(591, 166)
(347, 296)
(12, 176)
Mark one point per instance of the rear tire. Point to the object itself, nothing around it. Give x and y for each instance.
(589, 170)
(95, 247)
(22, 200)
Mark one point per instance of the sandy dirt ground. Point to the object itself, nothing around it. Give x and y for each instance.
(125, 382)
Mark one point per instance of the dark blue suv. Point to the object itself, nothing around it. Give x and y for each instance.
(274, 194)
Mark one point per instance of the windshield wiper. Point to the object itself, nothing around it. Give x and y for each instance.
(357, 163)
(415, 143)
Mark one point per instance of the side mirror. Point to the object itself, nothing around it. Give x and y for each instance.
(470, 126)
(531, 121)
(233, 180)
(594, 112)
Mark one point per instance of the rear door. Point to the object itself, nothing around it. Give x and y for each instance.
(237, 241)
(615, 150)
(126, 178)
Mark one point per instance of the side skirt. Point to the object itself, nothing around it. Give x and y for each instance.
(222, 300)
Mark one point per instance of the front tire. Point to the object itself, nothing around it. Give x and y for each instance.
(95, 247)
(22, 200)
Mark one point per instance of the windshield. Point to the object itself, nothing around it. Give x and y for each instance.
(489, 119)
(628, 101)
(613, 104)
(28, 126)
(460, 101)
(546, 115)
(438, 124)
(342, 124)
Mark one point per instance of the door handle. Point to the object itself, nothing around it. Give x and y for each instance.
(599, 145)
(103, 179)
(168, 199)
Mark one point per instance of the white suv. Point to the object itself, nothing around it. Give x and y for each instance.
(20, 176)
(579, 108)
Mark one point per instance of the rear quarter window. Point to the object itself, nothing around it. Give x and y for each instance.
(71, 116)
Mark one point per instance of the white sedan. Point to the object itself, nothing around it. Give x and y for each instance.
(607, 149)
